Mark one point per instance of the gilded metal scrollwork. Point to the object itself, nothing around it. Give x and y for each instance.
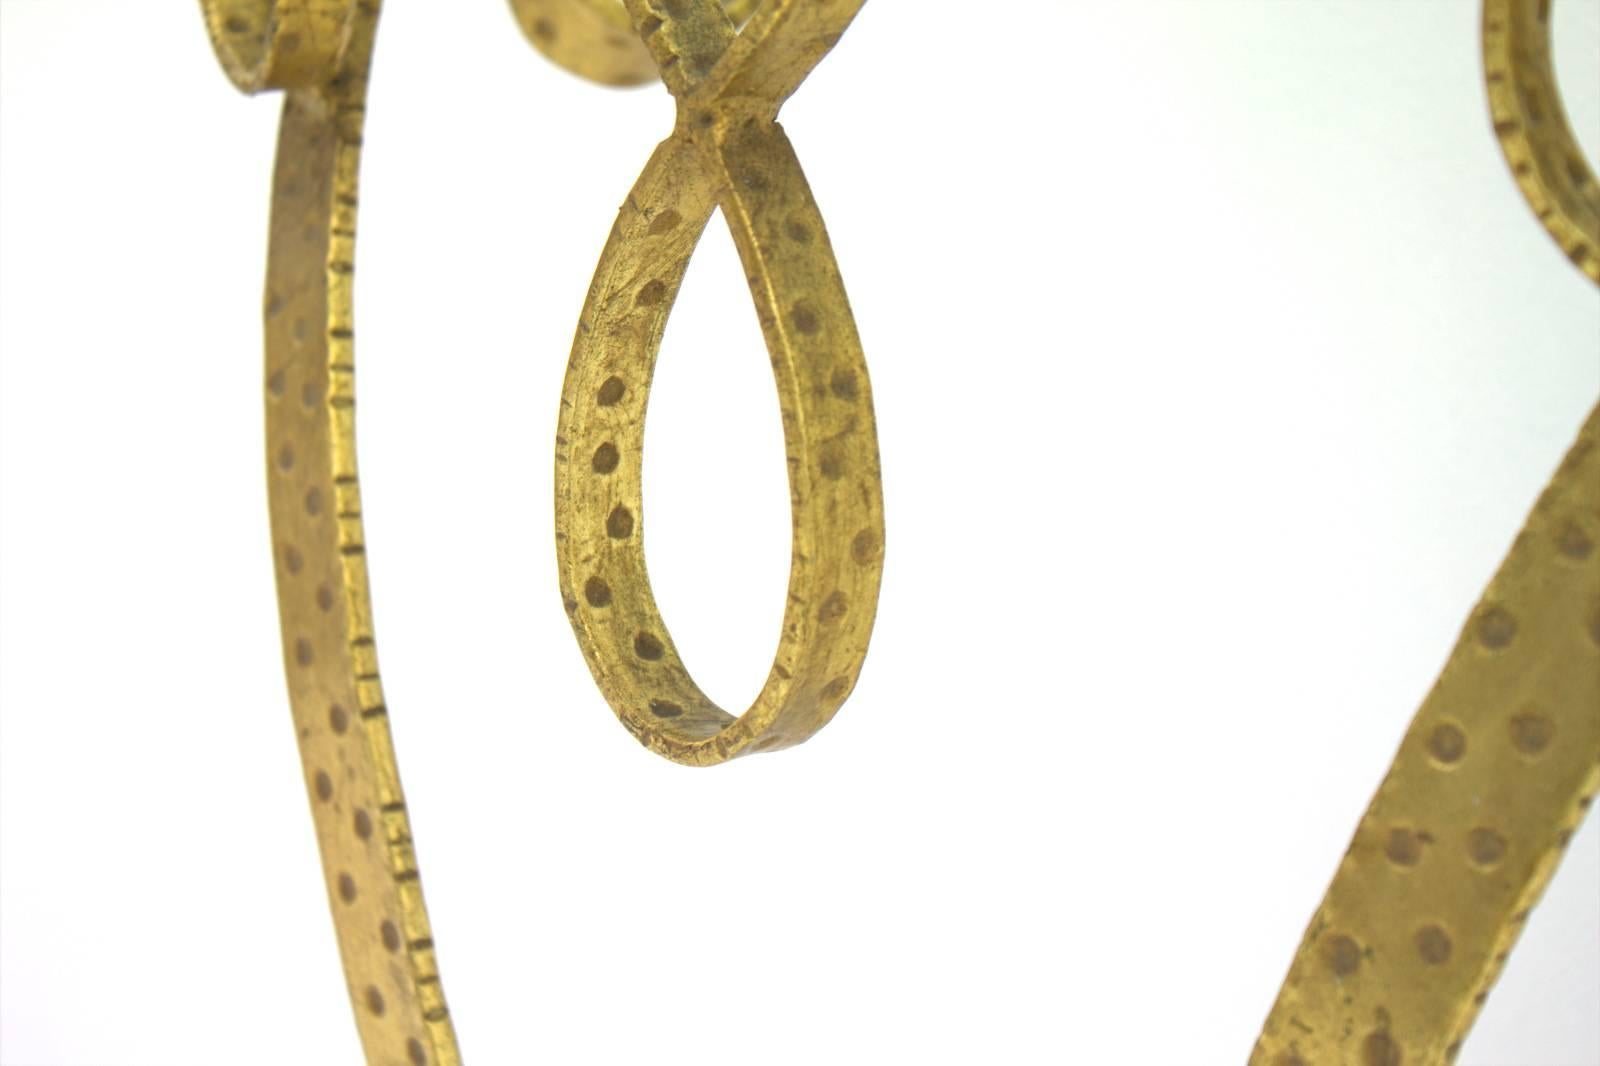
(1491, 781)
(727, 150)
(319, 53)
(1503, 759)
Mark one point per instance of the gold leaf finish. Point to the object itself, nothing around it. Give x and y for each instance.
(1490, 783)
(726, 151)
(1503, 760)
(321, 53)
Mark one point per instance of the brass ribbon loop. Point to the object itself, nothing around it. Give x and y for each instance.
(726, 152)
(1503, 759)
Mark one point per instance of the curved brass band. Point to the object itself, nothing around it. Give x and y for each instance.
(324, 607)
(1491, 780)
(1503, 760)
(1532, 126)
(725, 151)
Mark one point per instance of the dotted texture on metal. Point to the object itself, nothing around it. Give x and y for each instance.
(1503, 760)
(726, 151)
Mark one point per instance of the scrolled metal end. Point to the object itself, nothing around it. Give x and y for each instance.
(595, 39)
(278, 44)
(591, 38)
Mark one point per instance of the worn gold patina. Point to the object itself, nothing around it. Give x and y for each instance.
(320, 51)
(1490, 782)
(1503, 759)
(726, 151)
(320, 54)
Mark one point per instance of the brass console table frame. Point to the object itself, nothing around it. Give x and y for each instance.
(1490, 783)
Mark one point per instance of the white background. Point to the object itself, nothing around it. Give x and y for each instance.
(1217, 361)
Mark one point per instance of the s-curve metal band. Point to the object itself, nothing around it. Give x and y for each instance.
(1503, 760)
(320, 53)
(726, 151)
